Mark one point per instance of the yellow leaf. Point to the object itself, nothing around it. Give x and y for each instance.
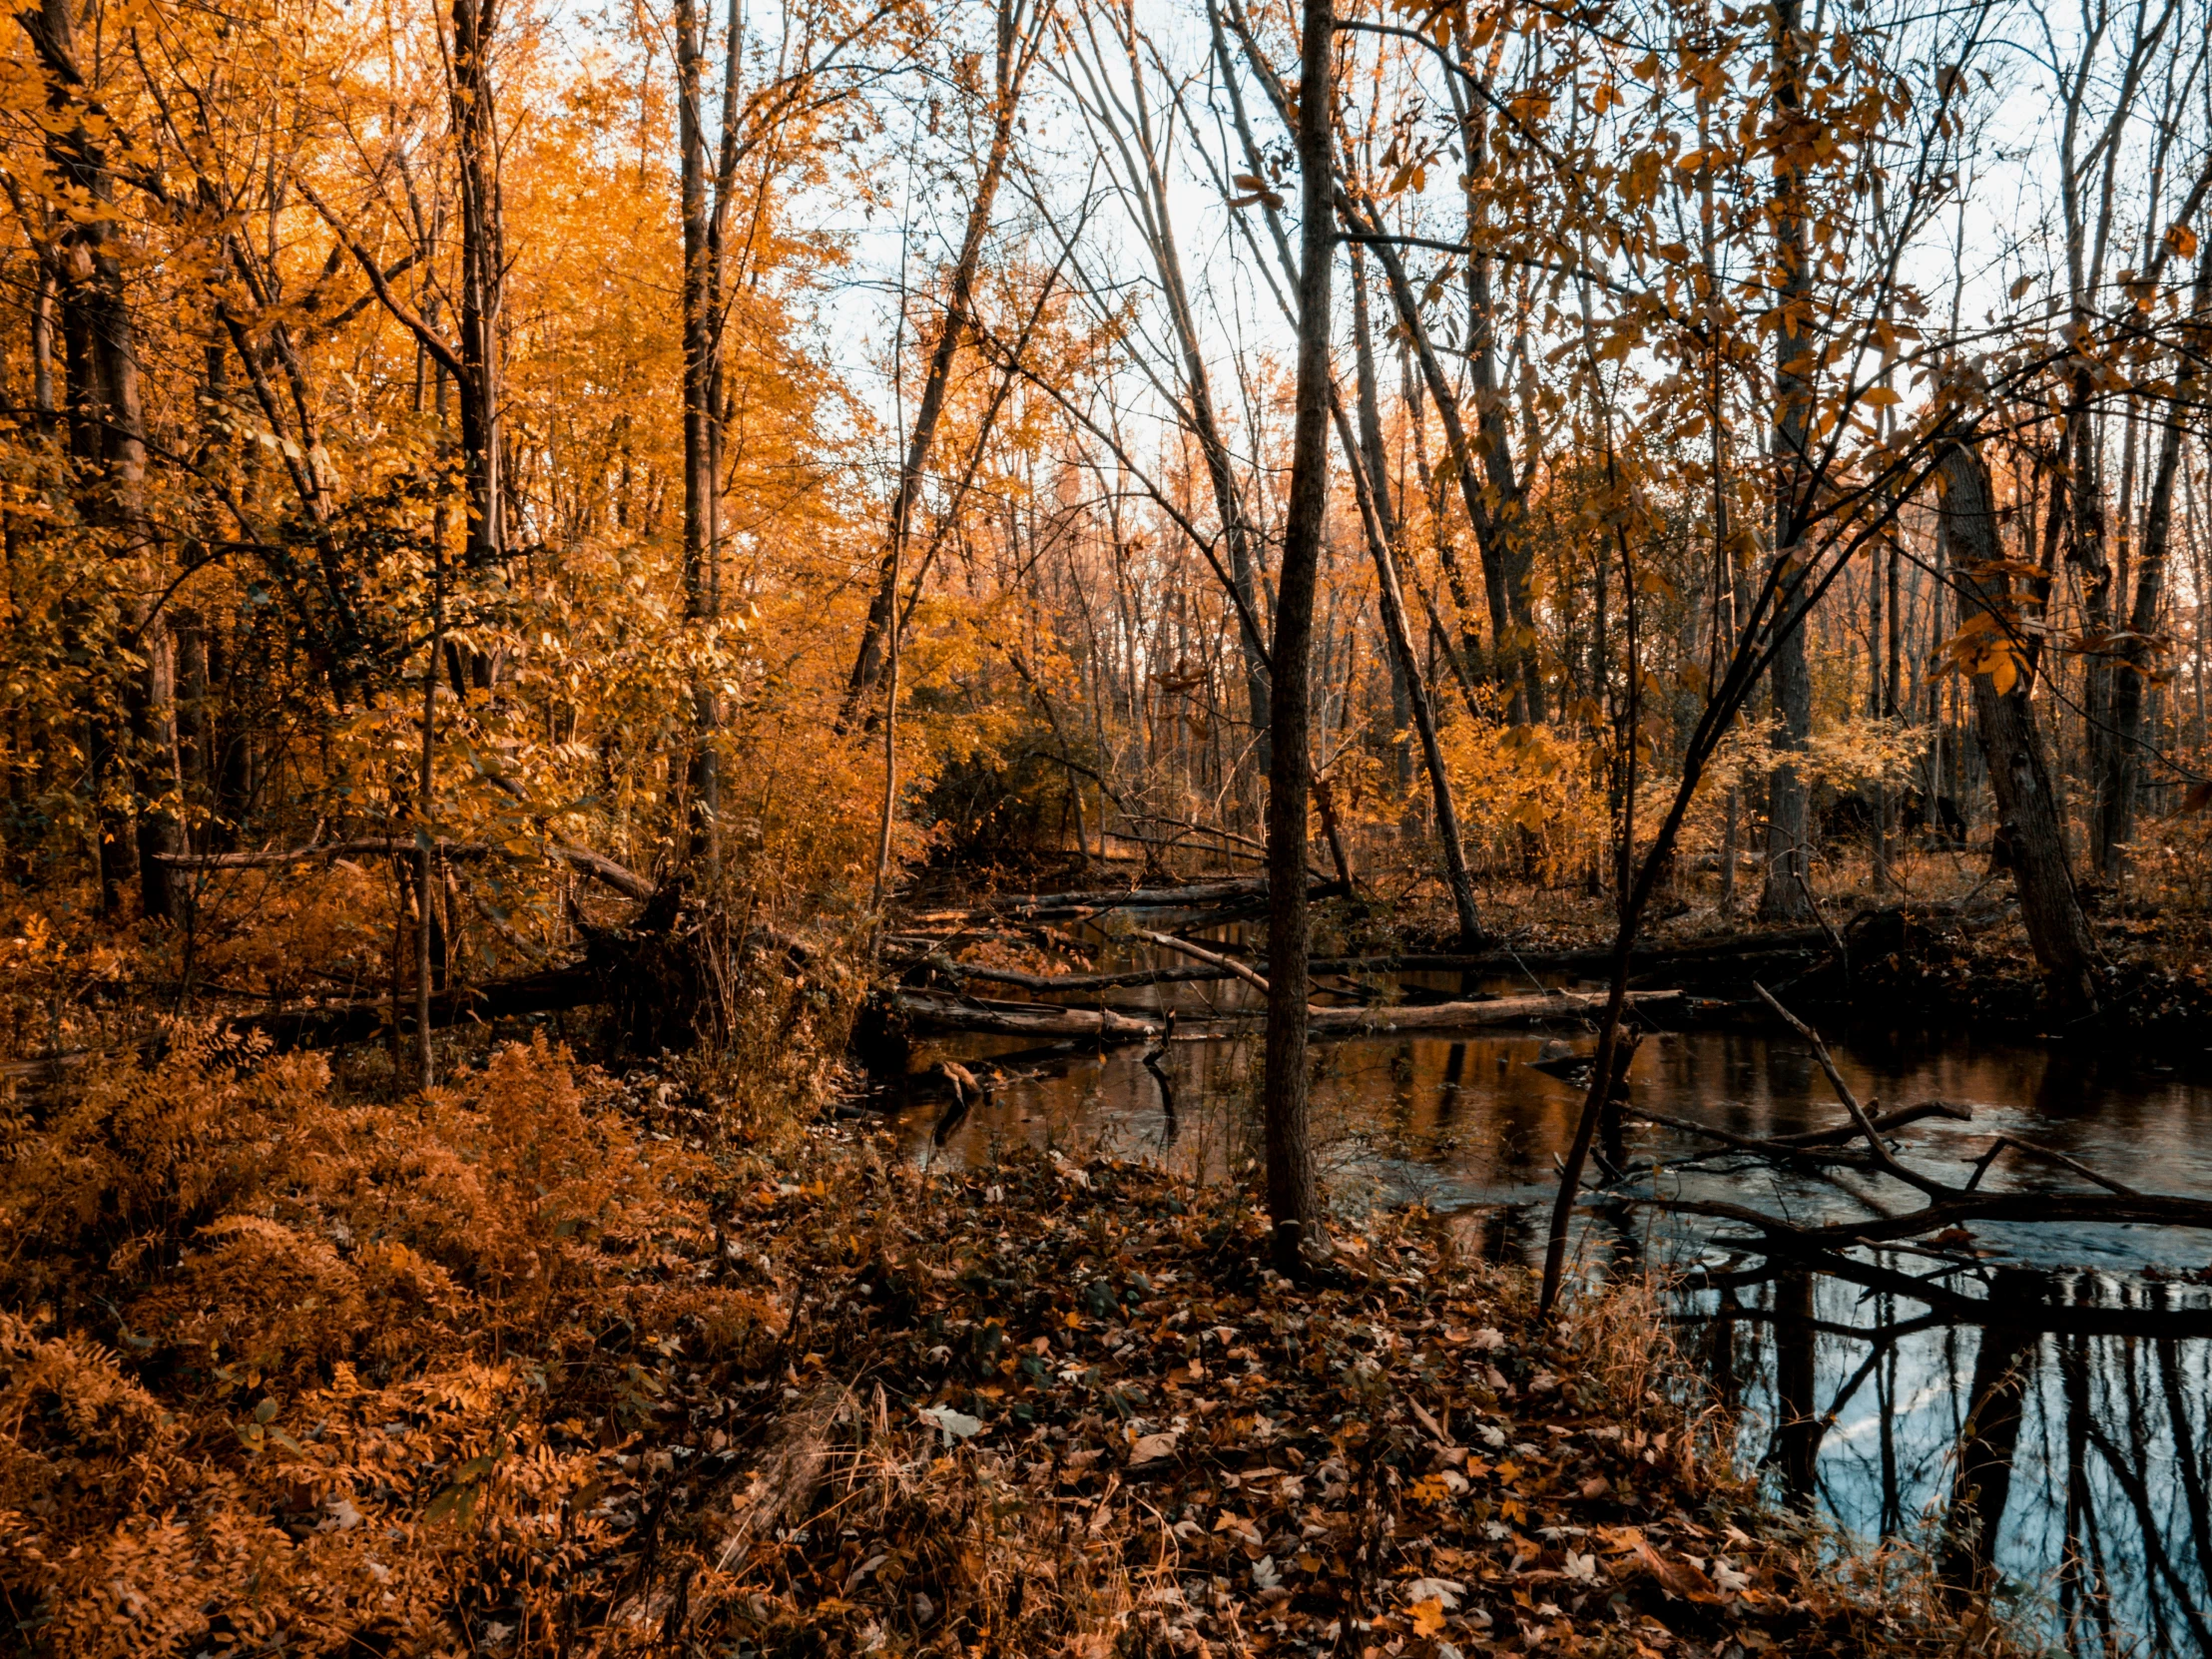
(1429, 1616)
(1879, 397)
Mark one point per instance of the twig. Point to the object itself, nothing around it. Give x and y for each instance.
(2053, 1154)
(1747, 1143)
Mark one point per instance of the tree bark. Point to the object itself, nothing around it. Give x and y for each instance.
(1291, 1198)
(2029, 825)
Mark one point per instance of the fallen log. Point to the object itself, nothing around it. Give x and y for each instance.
(936, 1012)
(926, 1012)
(1075, 984)
(329, 1024)
(1475, 1017)
(1198, 896)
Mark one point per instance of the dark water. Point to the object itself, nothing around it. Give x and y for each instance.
(2070, 1396)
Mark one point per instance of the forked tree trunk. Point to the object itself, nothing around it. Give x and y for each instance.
(2028, 824)
(1291, 1199)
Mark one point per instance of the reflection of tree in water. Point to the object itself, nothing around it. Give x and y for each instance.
(2055, 1455)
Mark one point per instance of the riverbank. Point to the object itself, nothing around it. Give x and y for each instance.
(1133, 1439)
(541, 1363)
(1950, 952)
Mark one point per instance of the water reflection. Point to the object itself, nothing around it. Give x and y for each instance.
(2033, 1405)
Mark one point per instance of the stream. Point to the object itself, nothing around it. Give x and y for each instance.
(2073, 1396)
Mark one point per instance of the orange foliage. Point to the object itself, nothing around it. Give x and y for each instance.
(328, 1370)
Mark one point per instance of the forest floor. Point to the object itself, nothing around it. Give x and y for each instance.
(1070, 1411)
(546, 1362)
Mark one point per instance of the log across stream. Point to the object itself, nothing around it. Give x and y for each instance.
(2080, 1355)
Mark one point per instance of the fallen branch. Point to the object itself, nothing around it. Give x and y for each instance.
(1198, 953)
(1074, 984)
(1947, 1207)
(2153, 1209)
(1886, 1160)
(1810, 1144)
(2051, 1154)
(930, 1012)
(598, 865)
(1883, 1121)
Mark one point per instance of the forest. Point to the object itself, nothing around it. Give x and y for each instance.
(1075, 827)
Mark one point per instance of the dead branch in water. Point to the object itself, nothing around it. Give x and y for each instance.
(1947, 1207)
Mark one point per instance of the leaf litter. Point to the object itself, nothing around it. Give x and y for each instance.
(1085, 1418)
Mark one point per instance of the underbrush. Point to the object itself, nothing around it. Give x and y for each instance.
(538, 1363)
(276, 1366)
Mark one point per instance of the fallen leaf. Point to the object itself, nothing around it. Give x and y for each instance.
(1150, 1449)
(1677, 1578)
(955, 1426)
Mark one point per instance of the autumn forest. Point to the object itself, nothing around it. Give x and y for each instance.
(773, 781)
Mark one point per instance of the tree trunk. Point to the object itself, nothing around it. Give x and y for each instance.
(1291, 1199)
(1519, 665)
(2117, 777)
(1244, 567)
(2028, 826)
(108, 441)
(1372, 489)
(700, 483)
(1785, 897)
(483, 263)
(1017, 28)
